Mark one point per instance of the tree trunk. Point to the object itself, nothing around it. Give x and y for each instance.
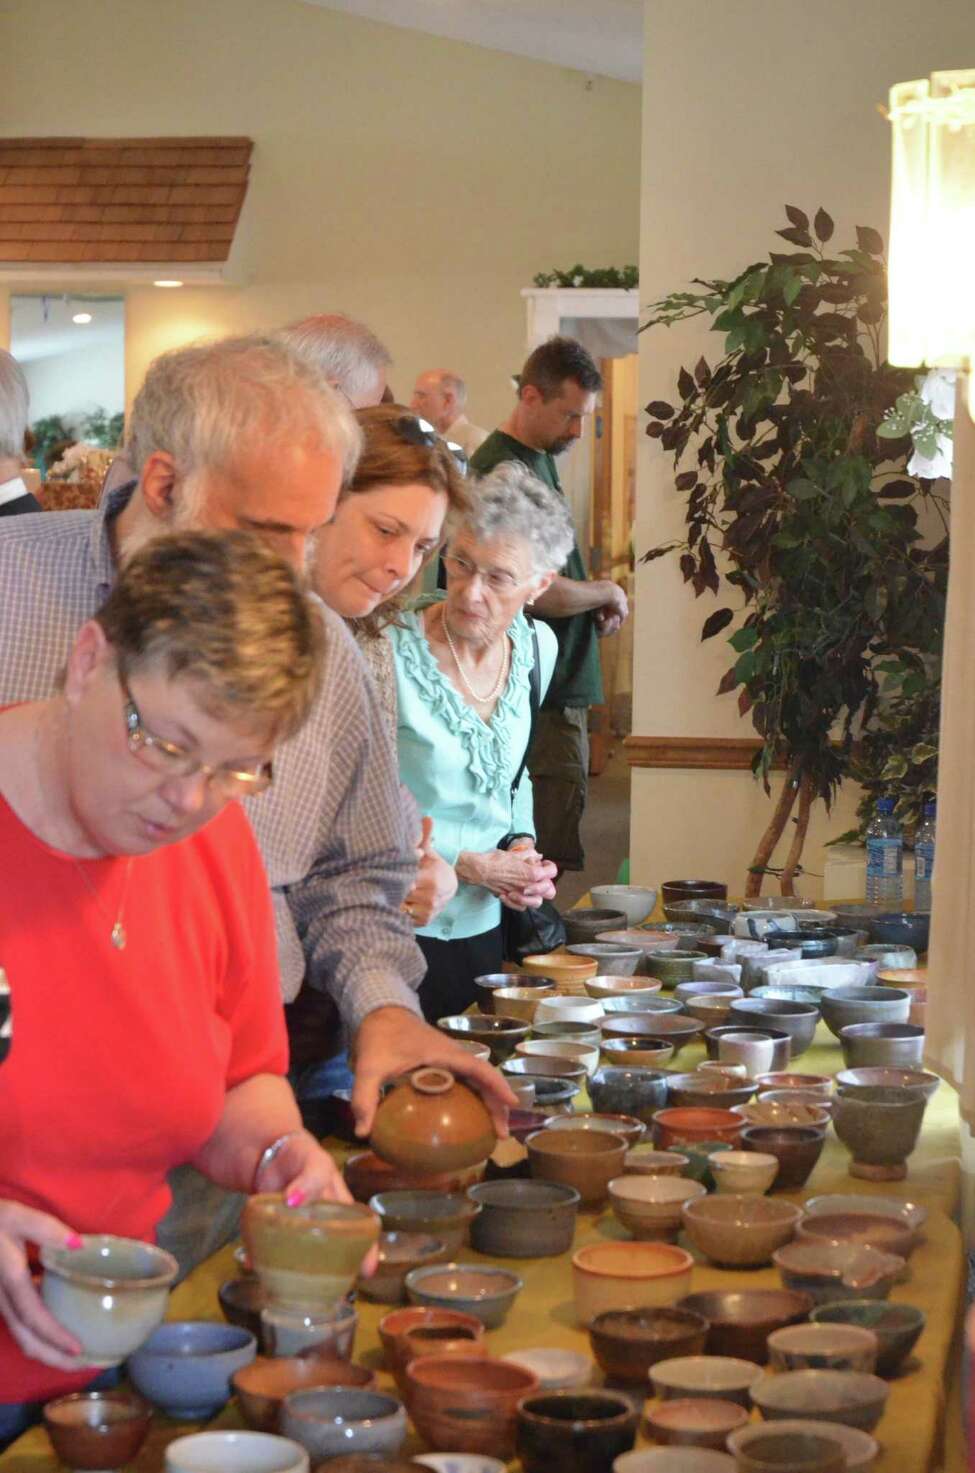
(774, 832)
(799, 837)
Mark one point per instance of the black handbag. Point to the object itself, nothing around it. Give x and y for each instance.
(529, 932)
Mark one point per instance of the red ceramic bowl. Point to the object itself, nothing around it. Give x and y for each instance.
(688, 1124)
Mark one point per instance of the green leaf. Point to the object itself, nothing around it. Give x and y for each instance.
(744, 638)
(745, 667)
(803, 490)
(791, 289)
(895, 766)
(922, 752)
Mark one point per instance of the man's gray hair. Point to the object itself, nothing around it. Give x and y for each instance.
(14, 407)
(456, 385)
(347, 352)
(206, 404)
(512, 502)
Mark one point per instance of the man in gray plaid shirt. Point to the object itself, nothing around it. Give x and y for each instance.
(246, 434)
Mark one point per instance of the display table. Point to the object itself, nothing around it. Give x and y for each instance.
(910, 1433)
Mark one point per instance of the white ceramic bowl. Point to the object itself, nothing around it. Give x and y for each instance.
(459, 1462)
(608, 984)
(560, 1048)
(245, 1452)
(557, 1370)
(750, 1173)
(910, 1212)
(722, 1376)
(822, 1347)
(650, 1206)
(568, 1010)
(673, 1460)
(110, 1293)
(635, 901)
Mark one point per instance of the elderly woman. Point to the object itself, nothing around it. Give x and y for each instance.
(136, 930)
(463, 674)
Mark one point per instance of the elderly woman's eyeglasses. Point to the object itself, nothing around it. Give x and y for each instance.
(463, 571)
(167, 758)
(417, 431)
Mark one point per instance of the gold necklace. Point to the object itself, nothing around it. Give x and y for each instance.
(118, 934)
(492, 694)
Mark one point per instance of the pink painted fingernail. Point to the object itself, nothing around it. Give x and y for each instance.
(75, 1241)
(294, 1199)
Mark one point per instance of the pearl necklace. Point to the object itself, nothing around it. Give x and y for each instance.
(498, 686)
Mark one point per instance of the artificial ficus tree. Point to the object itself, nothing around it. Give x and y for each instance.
(795, 504)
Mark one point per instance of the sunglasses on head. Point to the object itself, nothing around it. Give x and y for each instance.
(418, 431)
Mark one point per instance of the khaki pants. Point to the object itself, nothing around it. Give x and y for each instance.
(559, 767)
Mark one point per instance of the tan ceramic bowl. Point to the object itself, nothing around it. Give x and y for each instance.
(650, 1206)
(519, 1002)
(585, 1159)
(628, 1276)
(740, 1231)
(604, 985)
(568, 972)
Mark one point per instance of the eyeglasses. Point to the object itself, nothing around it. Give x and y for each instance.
(167, 758)
(463, 571)
(417, 431)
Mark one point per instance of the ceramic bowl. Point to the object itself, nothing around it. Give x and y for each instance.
(483, 1290)
(712, 1011)
(562, 1009)
(637, 1053)
(888, 1076)
(635, 1092)
(291, 1332)
(878, 1045)
(498, 1033)
(489, 982)
(399, 1323)
(895, 1327)
(781, 1042)
(524, 1219)
(818, 1084)
(675, 1028)
(443, 1463)
(674, 1460)
(644, 1006)
(628, 1275)
(796, 1147)
(244, 1452)
(741, 1320)
(673, 892)
(646, 1160)
(97, 1429)
(775, 1112)
(697, 1157)
(477, 1050)
(439, 1340)
(443, 1215)
(798, 1019)
(874, 1229)
(554, 1093)
(673, 965)
(584, 1159)
(241, 1301)
(562, 1051)
(580, 1429)
(723, 1377)
(904, 929)
(695, 1421)
(707, 987)
(611, 956)
(830, 1271)
(650, 1206)
(879, 1127)
(635, 901)
(889, 957)
(110, 1293)
(859, 1448)
(568, 972)
(910, 1213)
(521, 1123)
(332, 1420)
(185, 1366)
(734, 1073)
(519, 1002)
(852, 1397)
(627, 1342)
(571, 1032)
(740, 1231)
(398, 1253)
(807, 1447)
(365, 1174)
(467, 1405)
(843, 1006)
(675, 1127)
(307, 1256)
(699, 1090)
(524, 1092)
(611, 984)
(539, 1065)
(260, 1388)
(746, 1173)
(557, 1370)
(809, 1097)
(584, 922)
(631, 1129)
(823, 1348)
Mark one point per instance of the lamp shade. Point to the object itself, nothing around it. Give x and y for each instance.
(932, 225)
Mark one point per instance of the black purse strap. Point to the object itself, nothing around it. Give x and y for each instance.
(534, 701)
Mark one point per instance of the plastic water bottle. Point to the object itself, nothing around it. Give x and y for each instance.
(885, 857)
(924, 859)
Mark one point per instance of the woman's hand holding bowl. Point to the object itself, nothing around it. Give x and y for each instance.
(29, 1321)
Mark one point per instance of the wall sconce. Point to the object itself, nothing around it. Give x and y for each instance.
(932, 225)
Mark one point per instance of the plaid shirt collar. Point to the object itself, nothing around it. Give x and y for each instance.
(100, 540)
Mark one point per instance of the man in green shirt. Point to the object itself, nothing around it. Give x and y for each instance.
(556, 391)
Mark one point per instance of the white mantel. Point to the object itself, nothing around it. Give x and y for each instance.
(545, 307)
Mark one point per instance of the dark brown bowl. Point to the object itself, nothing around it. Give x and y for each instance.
(741, 1320)
(241, 1301)
(467, 1404)
(674, 891)
(97, 1429)
(489, 982)
(494, 1030)
(366, 1174)
(584, 1430)
(261, 1386)
(627, 1342)
(797, 1148)
(675, 1028)
(702, 1090)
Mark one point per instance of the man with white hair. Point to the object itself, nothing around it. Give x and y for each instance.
(15, 498)
(245, 434)
(440, 396)
(346, 352)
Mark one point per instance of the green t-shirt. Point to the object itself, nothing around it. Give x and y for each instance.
(577, 679)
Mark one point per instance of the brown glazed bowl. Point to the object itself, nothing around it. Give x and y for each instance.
(820, 1084)
(631, 1129)
(685, 1126)
(398, 1254)
(499, 1033)
(261, 1387)
(796, 1147)
(97, 1429)
(741, 1320)
(672, 892)
(467, 1405)
(701, 1090)
(740, 1231)
(431, 1122)
(366, 1174)
(585, 1430)
(675, 1028)
(395, 1326)
(584, 1159)
(627, 1342)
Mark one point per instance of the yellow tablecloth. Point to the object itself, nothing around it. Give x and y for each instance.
(911, 1430)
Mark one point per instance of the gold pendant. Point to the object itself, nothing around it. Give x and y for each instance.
(118, 936)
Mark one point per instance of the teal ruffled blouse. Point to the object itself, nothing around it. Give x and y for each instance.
(460, 768)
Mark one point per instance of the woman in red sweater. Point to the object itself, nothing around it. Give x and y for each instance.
(136, 929)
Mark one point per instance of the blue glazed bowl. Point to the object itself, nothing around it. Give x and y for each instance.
(908, 928)
(185, 1366)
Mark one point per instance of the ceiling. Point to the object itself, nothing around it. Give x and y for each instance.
(603, 37)
(41, 326)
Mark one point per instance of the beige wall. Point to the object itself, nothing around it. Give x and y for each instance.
(415, 182)
(746, 107)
